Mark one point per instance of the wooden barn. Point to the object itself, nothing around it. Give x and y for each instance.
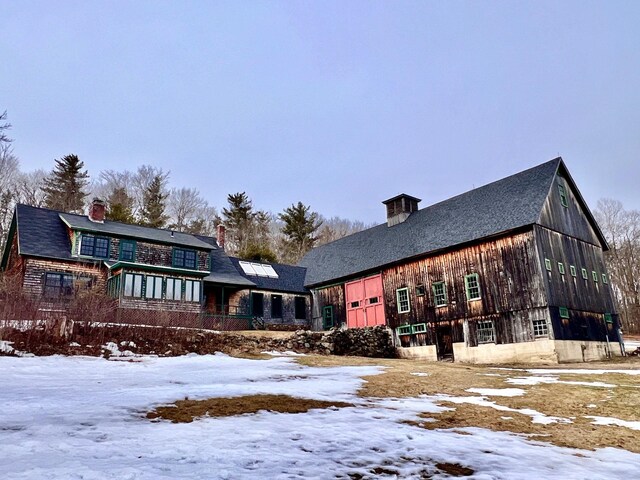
(509, 272)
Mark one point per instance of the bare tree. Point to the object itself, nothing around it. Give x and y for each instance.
(29, 188)
(335, 228)
(4, 126)
(183, 206)
(140, 183)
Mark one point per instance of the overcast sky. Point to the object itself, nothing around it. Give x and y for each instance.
(337, 104)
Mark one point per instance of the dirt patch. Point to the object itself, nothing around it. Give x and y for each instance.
(455, 469)
(186, 411)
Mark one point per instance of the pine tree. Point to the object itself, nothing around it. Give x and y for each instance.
(64, 187)
(238, 219)
(300, 225)
(120, 206)
(153, 208)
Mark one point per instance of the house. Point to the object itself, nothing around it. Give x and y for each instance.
(511, 271)
(155, 275)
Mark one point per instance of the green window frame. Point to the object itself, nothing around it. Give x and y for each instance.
(419, 328)
(153, 287)
(608, 318)
(327, 317)
(594, 275)
(184, 258)
(572, 269)
(192, 289)
(173, 289)
(585, 274)
(94, 246)
(472, 286)
(605, 280)
(402, 297)
(563, 195)
(439, 293)
(113, 286)
(564, 312)
(127, 250)
(404, 329)
(133, 285)
(547, 264)
(561, 268)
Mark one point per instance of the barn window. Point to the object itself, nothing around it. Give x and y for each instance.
(58, 285)
(327, 317)
(485, 332)
(561, 268)
(605, 280)
(594, 274)
(184, 258)
(402, 295)
(472, 286)
(276, 306)
(133, 285)
(192, 290)
(355, 304)
(608, 318)
(404, 330)
(92, 246)
(153, 287)
(547, 264)
(420, 290)
(572, 269)
(174, 289)
(540, 328)
(563, 195)
(585, 275)
(439, 293)
(127, 250)
(419, 328)
(564, 312)
(301, 308)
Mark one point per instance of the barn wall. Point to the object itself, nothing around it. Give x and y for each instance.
(329, 296)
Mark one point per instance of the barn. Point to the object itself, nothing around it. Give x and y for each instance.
(512, 271)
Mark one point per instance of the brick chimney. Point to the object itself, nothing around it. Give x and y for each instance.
(97, 210)
(400, 207)
(221, 231)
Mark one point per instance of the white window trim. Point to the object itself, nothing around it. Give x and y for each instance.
(399, 303)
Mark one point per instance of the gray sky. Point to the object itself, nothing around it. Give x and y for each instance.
(337, 104)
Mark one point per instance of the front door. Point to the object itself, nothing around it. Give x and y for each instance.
(365, 307)
(444, 336)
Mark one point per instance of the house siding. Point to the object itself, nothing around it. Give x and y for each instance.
(35, 268)
(242, 298)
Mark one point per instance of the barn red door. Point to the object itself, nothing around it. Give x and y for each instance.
(364, 302)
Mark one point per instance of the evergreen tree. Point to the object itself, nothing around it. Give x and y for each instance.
(120, 206)
(300, 226)
(238, 219)
(64, 187)
(255, 252)
(153, 208)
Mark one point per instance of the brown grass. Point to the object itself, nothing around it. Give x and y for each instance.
(185, 411)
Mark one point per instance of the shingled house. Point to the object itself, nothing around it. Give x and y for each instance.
(189, 279)
(511, 271)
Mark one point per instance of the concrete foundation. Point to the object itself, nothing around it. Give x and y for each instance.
(426, 352)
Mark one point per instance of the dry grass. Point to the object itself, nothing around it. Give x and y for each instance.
(185, 411)
(570, 401)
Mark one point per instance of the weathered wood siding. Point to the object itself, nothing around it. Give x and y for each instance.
(329, 296)
(570, 220)
(242, 298)
(35, 268)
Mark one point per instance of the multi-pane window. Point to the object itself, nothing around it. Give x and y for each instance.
(327, 317)
(564, 312)
(563, 195)
(92, 246)
(594, 274)
(561, 268)
(276, 306)
(585, 275)
(540, 328)
(547, 264)
(153, 287)
(402, 295)
(127, 250)
(133, 285)
(174, 289)
(472, 286)
(184, 258)
(191, 290)
(605, 280)
(485, 331)
(58, 285)
(300, 308)
(439, 293)
(572, 269)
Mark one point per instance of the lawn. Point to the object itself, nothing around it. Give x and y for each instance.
(215, 416)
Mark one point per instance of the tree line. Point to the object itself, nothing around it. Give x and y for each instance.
(145, 197)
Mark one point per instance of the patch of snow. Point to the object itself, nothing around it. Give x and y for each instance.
(614, 421)
(497, 392)
(74, 344)
(592, 405)
(506, 418)
(288, 353)
(420, 374)
(83, 417)
(114, 351)
(534, 380)
(128, 344)
(570, 371)
(5, 346)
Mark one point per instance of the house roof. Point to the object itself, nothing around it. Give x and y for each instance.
(224, 272)
(41, 233)
(498, 207)
(154, 235)
(290, 278)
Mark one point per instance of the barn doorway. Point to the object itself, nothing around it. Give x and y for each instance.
(364, 302)
(444, 338)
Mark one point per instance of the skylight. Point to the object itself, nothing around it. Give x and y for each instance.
(258, 269)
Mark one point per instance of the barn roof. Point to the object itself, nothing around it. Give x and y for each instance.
(498, 207)
(290, 278)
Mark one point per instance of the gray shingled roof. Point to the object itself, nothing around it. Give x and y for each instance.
(290, 278)
(41, 233)
(504, 205)
(224, 272)
(155, 235)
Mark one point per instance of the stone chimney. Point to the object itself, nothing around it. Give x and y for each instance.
(97, 210)
(221, 231)
(400, 207)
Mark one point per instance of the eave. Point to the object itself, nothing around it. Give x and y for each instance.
(156, 268)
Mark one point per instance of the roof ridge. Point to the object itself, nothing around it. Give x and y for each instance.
(233, 257)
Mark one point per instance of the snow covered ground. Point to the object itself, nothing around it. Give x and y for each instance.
(83, 418)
